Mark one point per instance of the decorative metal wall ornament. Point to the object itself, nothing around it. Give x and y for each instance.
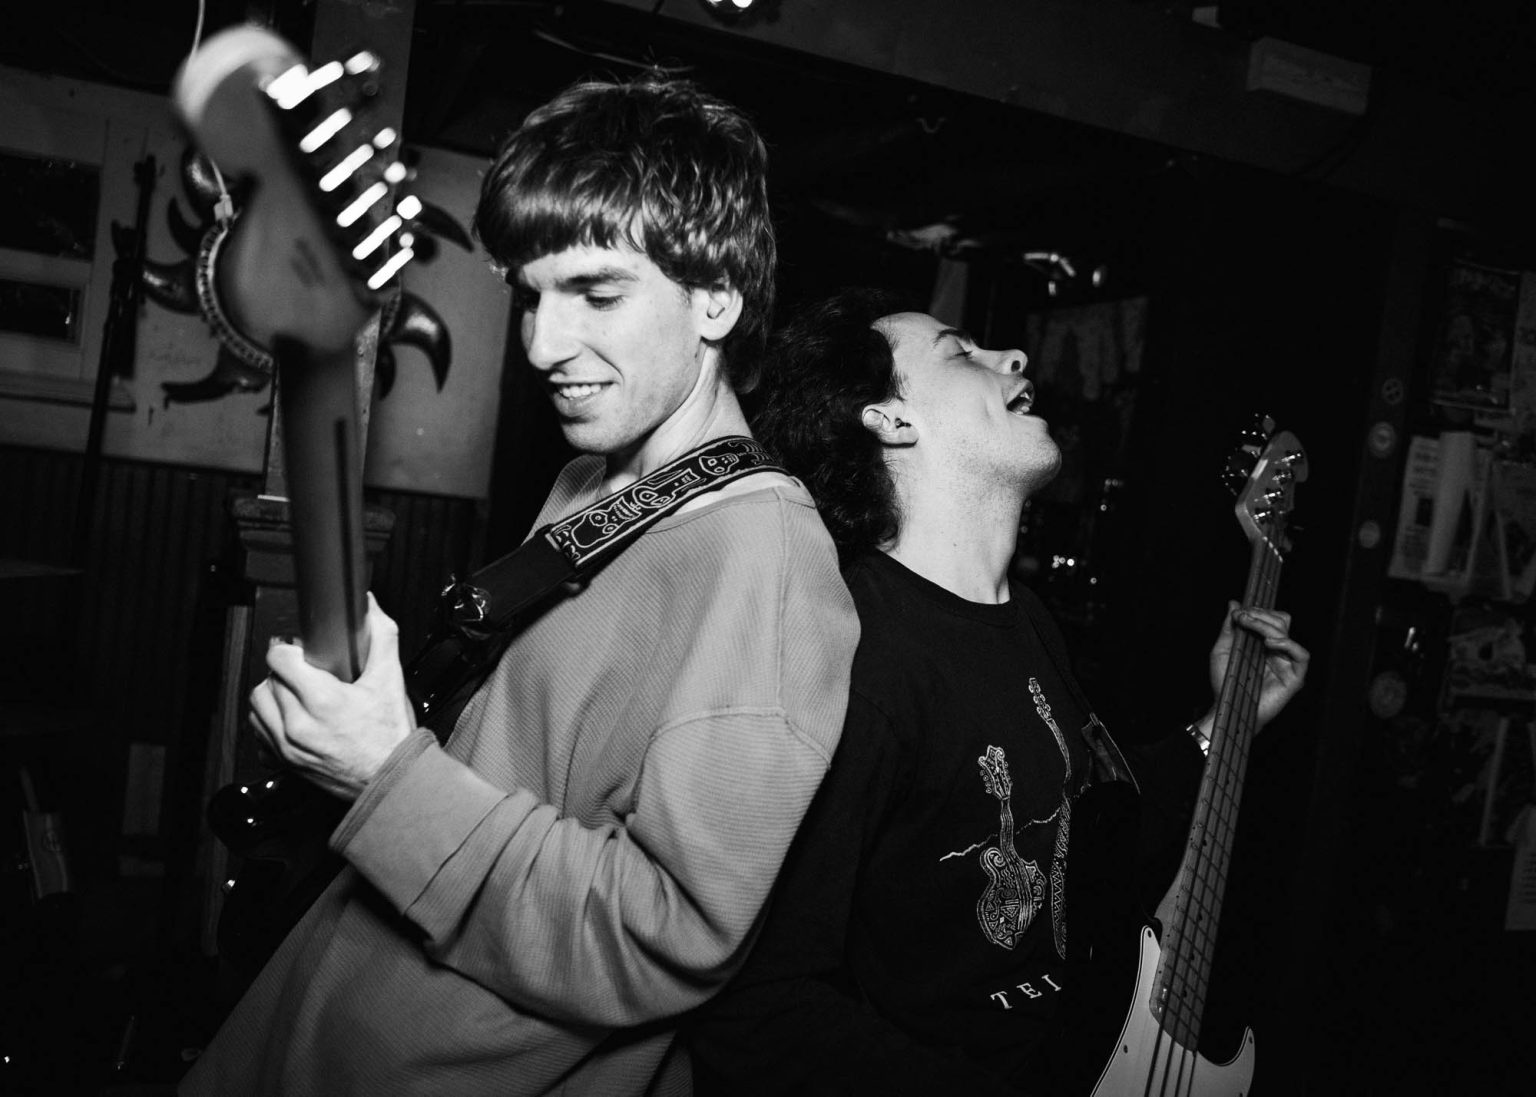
(188, 285)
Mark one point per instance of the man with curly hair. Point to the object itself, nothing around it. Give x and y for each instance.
(527, 909)
(917, 939)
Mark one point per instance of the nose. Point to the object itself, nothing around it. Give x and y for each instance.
(546, 340)
(1010, 362)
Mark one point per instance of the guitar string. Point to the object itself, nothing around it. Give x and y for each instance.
(1244, 697)
(1241, 695)
(1230, 766)
(1189, 1009)
(1243, 689)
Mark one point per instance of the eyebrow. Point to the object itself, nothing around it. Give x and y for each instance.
(585, 280)
(958, 333)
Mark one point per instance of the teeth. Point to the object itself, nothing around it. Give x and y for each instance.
(576, 392)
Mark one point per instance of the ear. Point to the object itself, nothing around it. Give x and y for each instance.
(882, 421)
(722, 308)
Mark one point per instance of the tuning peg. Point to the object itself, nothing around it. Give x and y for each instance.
(300, 85)
(1257, 433)
(362, 63)
(1239, 466)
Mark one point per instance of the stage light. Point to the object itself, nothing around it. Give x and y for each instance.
(740, 11)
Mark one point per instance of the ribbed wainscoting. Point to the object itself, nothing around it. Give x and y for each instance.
(141, 625)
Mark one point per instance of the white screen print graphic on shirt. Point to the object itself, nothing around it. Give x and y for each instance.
(1016, 889)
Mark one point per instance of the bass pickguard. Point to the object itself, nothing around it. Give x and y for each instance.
(1148, 1060)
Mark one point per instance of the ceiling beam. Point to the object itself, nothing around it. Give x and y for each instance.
(1148, 72)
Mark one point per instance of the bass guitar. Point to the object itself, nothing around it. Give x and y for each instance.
(1157, 1048)
(302, 270)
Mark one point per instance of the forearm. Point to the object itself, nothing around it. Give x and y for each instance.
(616, 923)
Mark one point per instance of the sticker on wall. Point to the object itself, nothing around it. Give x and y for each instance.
(1382, 440)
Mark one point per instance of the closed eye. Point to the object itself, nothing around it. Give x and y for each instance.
(964, 346)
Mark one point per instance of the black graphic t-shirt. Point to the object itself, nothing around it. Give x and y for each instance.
(916, 940)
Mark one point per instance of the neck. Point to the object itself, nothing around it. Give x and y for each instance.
(962, 542)
(711, 410)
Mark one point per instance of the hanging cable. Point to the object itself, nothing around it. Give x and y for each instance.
(224, 208)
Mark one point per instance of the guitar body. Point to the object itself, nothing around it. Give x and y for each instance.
(1148, 1060)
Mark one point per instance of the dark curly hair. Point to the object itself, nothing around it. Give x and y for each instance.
(658, 165)
(829, 363)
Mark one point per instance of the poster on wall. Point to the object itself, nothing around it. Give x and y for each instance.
(75, 146)
(122, 148)
(1471, 366)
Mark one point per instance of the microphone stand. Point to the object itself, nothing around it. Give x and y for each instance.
(118, 337)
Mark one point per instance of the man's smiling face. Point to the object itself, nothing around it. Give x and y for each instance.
(621, 346)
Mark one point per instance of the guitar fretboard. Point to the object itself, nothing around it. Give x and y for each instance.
(1189, 939)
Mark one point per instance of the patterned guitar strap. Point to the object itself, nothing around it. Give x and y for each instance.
(478, 613)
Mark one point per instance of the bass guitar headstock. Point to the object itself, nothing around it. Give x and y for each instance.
(1263, 473)
(324, 232)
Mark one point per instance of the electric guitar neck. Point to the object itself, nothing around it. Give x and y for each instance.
(321, 238)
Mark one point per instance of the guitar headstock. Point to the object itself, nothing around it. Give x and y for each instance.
(1263, 472)
(324, 232)
(994, 773)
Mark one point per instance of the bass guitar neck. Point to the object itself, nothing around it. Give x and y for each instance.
(1158, 1048)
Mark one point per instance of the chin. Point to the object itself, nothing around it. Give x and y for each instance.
(588, 438)
(1043, 471)
(599, 440)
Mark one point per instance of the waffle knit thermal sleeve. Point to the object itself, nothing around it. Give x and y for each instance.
(730, 636)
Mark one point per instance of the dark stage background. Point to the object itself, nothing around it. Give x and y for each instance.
(1364, 963)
